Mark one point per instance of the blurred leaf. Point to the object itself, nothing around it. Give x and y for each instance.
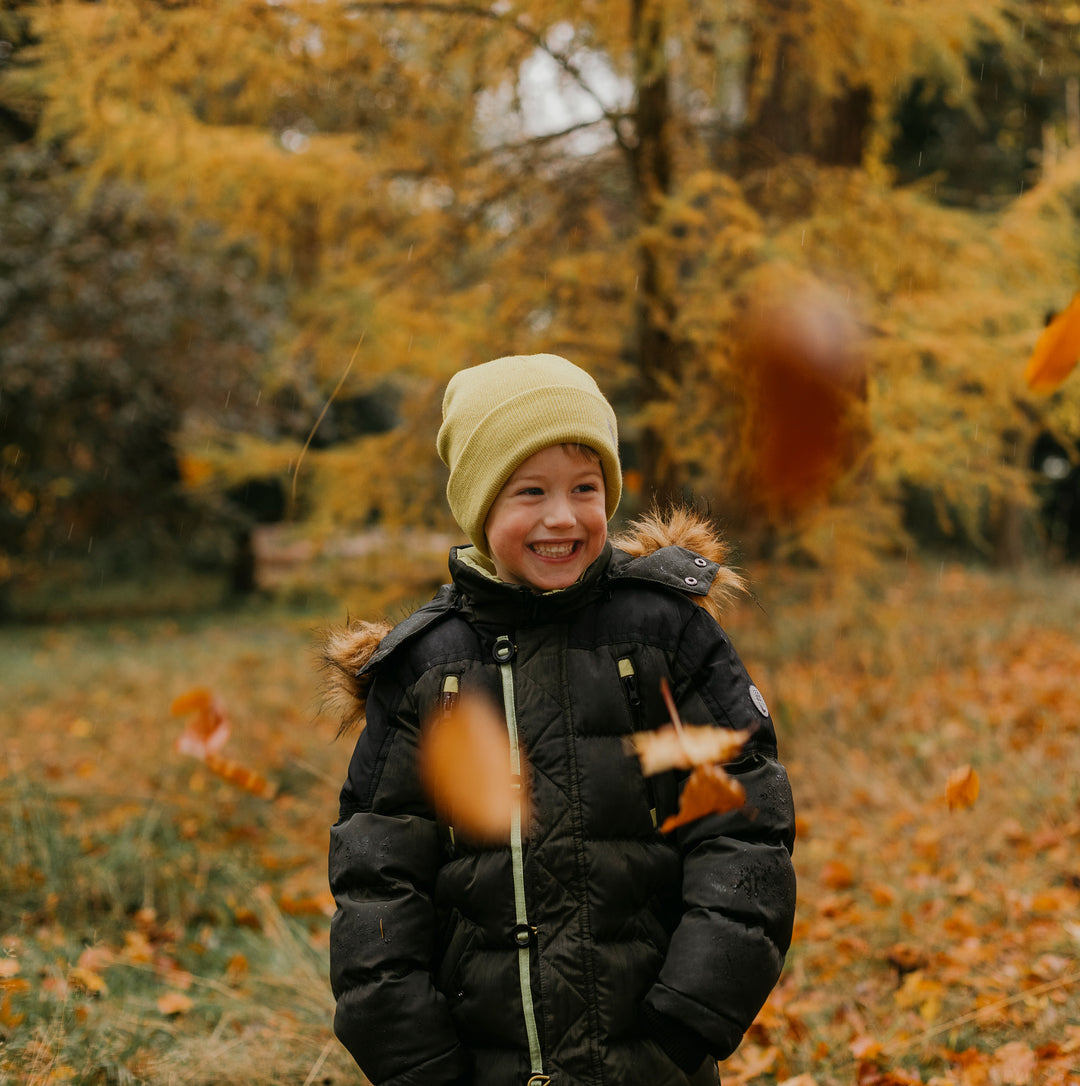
(1057, 350)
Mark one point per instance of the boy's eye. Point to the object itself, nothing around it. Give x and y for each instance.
(530, 491)
(586, 487)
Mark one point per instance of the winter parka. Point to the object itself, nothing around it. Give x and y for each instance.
(594, 950)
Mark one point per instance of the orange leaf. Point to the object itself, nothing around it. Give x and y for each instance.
(208, 729)
(805, 383)
(174, 1003)
(464, 757)
(708, 790)
(962, 787)
(234, 772)
(1056, 351)
(8, 1018)
(837, 875)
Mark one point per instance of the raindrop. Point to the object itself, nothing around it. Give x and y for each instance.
(90, 545)
(802, 241)
(227, 395)
(920, 159)
(258, 397)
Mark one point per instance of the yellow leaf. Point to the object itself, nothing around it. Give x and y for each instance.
(962, 787)
(1057, 350)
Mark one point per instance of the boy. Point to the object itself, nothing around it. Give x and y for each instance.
(589, 948)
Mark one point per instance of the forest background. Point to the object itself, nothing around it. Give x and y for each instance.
(806, 248)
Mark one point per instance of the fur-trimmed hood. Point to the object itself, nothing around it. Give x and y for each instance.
(348, 649)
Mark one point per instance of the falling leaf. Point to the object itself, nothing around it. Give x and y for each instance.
(464, 756)
(174, 1003)
(708, 789)
(962, 787)
(250, 780)
(208, 729)
(805, 384)
(685, 747)
(204, 736)
(1056, 351)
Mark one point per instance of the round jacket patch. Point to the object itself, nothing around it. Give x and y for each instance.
(759, 701)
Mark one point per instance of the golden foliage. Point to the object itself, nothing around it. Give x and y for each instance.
(387, 158)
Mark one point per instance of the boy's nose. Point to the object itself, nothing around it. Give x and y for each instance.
(559, 512)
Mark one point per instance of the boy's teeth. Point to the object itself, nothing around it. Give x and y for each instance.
(553, 550)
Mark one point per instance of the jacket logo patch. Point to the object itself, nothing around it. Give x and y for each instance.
(759, 701)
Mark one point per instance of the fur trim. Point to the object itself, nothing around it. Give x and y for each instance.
(348, 648)
(681, 527)
(345, 651)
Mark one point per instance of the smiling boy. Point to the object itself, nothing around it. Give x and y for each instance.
(588, 949)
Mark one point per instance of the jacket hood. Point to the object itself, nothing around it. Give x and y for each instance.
(348, 649)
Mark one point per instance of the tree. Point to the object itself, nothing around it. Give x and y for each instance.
(394, 160)
(111, 334)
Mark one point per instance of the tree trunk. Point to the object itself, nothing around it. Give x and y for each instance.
(658, 359)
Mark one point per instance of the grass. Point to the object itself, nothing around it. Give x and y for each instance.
(160, 925)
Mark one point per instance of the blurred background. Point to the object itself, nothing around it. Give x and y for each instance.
(807, 249)
(242, 250)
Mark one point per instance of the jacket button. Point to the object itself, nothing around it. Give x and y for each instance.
(523, 934)
(691, 581)
(504, 650)
(700, 562)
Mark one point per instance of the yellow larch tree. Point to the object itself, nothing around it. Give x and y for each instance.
(620, 181)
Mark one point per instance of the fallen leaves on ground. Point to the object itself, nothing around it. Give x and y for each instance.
(875, 699)
(962, 788)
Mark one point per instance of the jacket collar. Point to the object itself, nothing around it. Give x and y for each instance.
(482, 597)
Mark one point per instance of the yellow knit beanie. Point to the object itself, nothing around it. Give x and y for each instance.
(498, 414)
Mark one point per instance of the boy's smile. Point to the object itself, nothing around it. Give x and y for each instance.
(549, 522)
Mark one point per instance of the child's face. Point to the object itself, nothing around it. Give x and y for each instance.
(549, 522)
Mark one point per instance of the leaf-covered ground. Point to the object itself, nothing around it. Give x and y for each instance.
(161, 924)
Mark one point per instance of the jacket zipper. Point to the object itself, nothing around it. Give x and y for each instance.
(450, 688)
(630, 687)
(523, 933)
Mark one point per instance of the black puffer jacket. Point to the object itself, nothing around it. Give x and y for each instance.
(601, 951)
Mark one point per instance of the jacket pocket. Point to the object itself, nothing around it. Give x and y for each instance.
(628, 680)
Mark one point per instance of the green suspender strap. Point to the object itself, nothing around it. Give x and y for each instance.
(523, 933)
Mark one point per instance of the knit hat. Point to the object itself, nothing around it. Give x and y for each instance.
(498, 414)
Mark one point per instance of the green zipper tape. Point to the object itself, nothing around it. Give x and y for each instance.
(517, 859)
